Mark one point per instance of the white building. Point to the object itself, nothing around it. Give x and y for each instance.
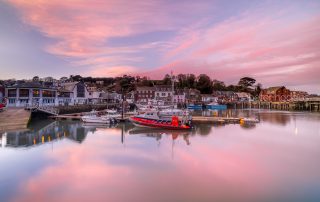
(244, 97)
(30, 93)
(75, 92)
(163, 93)
(111, 97)
(207, 98)
(179, 98)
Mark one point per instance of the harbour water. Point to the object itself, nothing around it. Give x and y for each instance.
(274, 160)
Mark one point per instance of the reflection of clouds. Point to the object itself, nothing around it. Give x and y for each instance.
(227, 165)
(102, 169)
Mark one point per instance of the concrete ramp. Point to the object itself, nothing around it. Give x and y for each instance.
(14, 119)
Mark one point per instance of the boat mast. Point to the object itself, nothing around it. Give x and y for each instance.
(172, 85)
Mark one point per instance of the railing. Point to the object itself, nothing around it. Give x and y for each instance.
(49, 109)
(43, 108)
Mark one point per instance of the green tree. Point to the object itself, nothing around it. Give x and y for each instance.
(166, 80)
(182, 81)
(204, 84)
(257, 90)
(191, 81)
(247, 83)
(218, 85)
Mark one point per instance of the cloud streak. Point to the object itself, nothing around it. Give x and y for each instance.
(263, 41)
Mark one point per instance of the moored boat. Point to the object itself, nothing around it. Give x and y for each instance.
(153, 120)
(106, 117)
(3, 105)
(194, 106)
(216, 106)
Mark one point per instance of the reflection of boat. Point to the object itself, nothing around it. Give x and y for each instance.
(98, 125)
(142, 130)
(158, 133)
(216, 106)
(153, 120)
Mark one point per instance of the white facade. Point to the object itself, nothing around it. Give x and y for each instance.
(23, 96)
(164, 93)
(79, 93)
(244, 97)
(209, 98)
(179, 98)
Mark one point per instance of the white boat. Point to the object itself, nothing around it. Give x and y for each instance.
(249, 120)
(95, 119)
(106, 117)
(174, 112)
(113, 114)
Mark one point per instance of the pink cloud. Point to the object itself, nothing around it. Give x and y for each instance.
(273, 50)
(113, 71)
(82, 29)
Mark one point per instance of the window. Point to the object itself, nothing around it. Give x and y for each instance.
(36, 93)
(163, 94)
(48, 93)
(12, 93)
(80, 90)
(24, 93)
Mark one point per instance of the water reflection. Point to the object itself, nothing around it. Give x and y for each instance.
(269, 162)
(45, 131)
(159, 133)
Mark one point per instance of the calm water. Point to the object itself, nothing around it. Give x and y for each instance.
(276, 160)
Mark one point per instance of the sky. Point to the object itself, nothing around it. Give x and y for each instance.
(275, 42)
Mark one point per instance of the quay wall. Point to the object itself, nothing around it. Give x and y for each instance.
(84, 108)
(288, 106)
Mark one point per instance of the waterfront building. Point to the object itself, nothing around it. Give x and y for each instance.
(225, 96)
(78, 92)
(100, 82)
(163, 93)
(208, 98)
(275, 94)
(144, 94)
(298, 95)
(179, 97)
(30, 94)
(192, 95)
(244, 97)
(65, 97)
(111, 97)
(130, 97)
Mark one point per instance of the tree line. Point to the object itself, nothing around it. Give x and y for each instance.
(202, 82)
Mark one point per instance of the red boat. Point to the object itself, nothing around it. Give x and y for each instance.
(152, 120)
(2, 105)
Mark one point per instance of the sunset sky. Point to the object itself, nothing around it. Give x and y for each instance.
(276, 42)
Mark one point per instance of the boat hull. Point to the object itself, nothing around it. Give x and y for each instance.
(195, 107)
(95, 120)
(218, 107)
